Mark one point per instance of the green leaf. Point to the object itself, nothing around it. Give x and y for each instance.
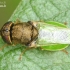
(37, 59)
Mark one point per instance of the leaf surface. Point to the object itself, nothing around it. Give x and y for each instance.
(37, 59)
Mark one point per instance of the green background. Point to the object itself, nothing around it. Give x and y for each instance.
(6, 12)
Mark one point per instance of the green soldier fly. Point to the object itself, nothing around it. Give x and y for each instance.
(48, 35)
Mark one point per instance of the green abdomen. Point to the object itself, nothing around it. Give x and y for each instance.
(51, 34)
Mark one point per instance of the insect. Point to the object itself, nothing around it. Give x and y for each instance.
(48, 35)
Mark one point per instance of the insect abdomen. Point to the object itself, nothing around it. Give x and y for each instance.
(51, 34)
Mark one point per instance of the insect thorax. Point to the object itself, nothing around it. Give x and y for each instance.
(23, 33)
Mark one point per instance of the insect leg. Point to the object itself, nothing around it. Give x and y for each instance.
(17, 21)
(64, 51)
(3, 47)
(31, 46)
(33, 23)
(65, 23)
(24, 52)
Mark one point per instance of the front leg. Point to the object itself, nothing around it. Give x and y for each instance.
(17, 21)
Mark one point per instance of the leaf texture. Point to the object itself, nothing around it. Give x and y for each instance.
(37, 59)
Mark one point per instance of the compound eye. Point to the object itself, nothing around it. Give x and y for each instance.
(5, 30)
